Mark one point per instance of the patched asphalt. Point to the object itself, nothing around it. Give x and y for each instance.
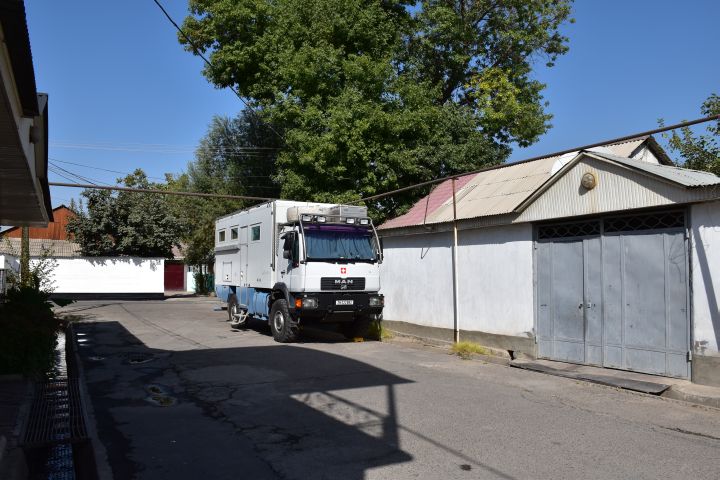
(176, 393)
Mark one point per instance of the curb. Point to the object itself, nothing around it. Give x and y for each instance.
(674, 393)
(678, 394)
(498, 359)
(102, 466)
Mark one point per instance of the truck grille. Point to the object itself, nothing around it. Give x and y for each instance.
(337, 283)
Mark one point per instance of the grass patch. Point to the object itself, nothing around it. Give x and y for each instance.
(377, 331)
(466, 350)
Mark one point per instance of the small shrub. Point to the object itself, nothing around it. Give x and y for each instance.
(28, 331)
(466, 350)
(201, 287)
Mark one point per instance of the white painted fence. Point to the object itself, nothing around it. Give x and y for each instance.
(109, 275)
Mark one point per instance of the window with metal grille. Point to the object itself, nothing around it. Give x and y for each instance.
(567, 230)
(652, 221)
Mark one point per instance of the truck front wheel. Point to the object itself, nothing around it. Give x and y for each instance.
(284, 328)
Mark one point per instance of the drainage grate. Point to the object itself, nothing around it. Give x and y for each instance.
(56, 414)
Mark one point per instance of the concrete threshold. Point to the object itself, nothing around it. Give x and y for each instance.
(665, 387)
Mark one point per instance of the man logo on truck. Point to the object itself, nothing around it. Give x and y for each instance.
(344, 282)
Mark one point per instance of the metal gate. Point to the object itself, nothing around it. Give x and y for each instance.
(613, 292)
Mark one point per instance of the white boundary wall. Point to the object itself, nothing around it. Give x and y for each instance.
(125, 275)
(495, 278)
(705, 265)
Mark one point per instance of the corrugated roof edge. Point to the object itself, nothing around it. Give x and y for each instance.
(645, 139)
(682, 176)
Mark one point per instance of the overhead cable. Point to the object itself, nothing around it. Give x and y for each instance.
(554, 154)
(200, 54)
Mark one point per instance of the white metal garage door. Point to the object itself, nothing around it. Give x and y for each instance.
(613, 292)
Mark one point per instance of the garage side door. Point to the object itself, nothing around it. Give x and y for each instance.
(645, 300)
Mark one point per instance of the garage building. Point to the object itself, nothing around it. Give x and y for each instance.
(608, 256)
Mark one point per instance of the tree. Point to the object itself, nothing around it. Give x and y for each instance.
(371, 95)
(699, 152)
(237, 156)
(127, 223)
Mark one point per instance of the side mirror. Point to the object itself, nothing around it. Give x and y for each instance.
(289, 239)
(288, 242)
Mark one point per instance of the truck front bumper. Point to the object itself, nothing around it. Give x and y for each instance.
(337, 306)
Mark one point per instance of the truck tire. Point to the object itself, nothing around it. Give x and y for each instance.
(284, 328)
(232, 302)
(234, 309)
(358, 328)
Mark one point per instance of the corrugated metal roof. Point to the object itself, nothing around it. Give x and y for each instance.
(496, 191)
(683, 176)
(55, 248)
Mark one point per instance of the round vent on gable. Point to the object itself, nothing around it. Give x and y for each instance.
(588, 181)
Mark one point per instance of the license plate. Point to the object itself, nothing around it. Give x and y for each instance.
(343, 302)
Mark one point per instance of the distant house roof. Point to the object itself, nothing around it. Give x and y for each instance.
(55, 229)
(38, 247)
(501, 189)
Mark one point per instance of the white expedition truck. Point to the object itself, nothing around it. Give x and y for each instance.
(293, 263)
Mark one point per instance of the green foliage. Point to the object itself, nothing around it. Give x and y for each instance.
(236, 157)
(371, 96)
(201, 287)
(28, 331)
(699, 152)
(466, 350)
(126, 223)
(38, 273)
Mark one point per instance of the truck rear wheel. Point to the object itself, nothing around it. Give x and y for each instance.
(284, 328)
(233, 307)
(358, 328)
(237, 317)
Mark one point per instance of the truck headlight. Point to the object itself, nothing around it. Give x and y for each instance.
(376, 301)
(309, 302)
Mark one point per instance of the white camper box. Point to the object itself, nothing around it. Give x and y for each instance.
(246, 241)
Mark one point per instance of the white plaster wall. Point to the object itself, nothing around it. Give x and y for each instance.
(416, 279)
(495, 273)
(189, 279)
(109, 275)
(705, 277)
(9, 262)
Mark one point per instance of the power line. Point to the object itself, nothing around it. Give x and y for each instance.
(555, 154)
(200, 54)
(149, 145)
(73, 174)
(162, 192)
(71, 179)
(234, 177)
(246, 150)
(103, 169)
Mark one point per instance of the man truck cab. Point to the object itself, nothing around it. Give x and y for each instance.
(293, 263)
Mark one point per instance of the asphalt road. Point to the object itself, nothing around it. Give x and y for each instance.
(176, 394)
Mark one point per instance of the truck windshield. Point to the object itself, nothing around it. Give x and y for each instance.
(335, 242)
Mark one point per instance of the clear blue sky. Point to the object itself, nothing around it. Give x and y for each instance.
(124, 94)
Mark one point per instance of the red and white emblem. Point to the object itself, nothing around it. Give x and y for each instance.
(343, 270)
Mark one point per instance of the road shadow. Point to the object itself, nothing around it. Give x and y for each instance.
(274, 411)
